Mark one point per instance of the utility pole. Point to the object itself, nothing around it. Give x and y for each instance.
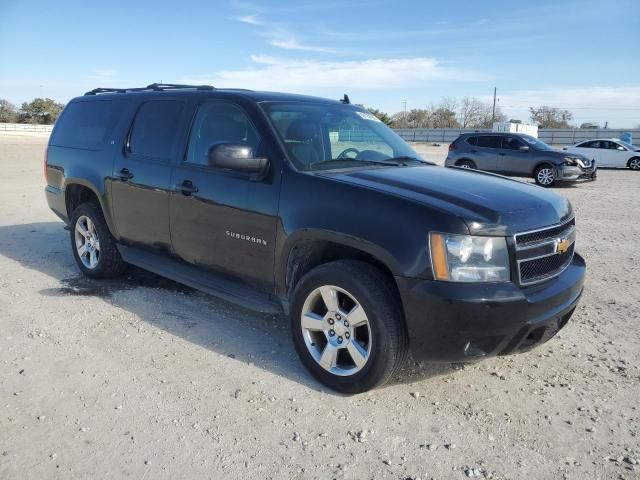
(493, 114)
(404, 108)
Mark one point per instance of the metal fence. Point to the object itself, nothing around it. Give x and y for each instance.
(555, 136)
(25, 127)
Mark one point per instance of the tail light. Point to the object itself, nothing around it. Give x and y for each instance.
(46, 161)
(452, 146)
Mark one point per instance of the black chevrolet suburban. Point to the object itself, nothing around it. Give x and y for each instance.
(313, 207)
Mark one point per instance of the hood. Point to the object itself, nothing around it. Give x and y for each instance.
(487, 203)
(560, 154)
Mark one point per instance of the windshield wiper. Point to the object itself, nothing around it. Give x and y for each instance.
(406, 159)
(392, 162)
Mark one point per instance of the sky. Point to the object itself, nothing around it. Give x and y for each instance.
(581, 55)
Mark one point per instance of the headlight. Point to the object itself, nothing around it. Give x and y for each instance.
(466, 258)
(570, 161)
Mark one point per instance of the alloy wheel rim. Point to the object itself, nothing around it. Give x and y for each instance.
(87, 242)
(336, 330)
(545, 176)
(635, 164)
(466, 165)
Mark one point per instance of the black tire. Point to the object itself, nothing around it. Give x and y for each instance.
(468, 164)
(634, 163)
(378, 296)
(109, 261)
(541, 175)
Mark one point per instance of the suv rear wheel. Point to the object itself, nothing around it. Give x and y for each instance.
(346, 321)
(94, 248)
(468, 164)
(545, 175)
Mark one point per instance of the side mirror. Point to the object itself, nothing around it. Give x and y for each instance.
(524, 148)
(238, 157)
(620, 148)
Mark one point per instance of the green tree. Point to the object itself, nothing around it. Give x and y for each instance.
(382, 116)
(40, 110)
(414, 118)
(7, 111)
(550, 117)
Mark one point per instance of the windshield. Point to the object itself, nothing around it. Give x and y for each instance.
(534, 142)
(626, 144)
(319, 136)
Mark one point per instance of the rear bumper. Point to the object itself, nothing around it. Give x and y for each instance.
(465, 322)
(55, 200)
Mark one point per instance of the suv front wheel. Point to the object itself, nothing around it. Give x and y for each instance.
(346, 321)
(545, 175)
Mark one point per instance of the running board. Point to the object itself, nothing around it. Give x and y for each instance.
(194, 277)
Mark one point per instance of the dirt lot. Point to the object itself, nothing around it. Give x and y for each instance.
(143, 378)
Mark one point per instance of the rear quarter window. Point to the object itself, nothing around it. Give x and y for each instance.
(85, 125)
(472, 140)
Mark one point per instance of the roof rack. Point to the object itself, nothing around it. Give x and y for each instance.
(154, 86)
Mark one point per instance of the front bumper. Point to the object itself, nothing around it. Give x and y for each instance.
(454, 322)
(566, 173)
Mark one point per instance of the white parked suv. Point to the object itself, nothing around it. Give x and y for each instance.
(611, 152)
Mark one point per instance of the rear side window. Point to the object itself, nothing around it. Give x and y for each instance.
(85, 124)
(155, 129)
(489, 141)
(472, 140)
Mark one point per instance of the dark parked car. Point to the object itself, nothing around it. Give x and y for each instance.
(314, 208)
(519, 155)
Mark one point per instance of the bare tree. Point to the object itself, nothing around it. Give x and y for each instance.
(550, 117)
(474, 113)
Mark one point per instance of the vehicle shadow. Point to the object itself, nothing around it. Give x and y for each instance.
(207, 321)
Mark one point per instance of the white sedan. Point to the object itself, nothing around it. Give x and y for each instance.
(612, 152)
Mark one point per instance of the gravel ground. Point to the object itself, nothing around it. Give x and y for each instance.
(143, 378)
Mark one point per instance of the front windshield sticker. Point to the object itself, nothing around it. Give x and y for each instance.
(368, 116)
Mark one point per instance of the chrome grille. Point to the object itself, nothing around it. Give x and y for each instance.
(544, 253)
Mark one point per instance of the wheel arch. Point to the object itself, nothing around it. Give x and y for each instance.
(310, 248)
(540, 164)
(78, 191)
(635, 157)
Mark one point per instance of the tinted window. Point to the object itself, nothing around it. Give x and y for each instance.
(489, 141)
(155, 129)
(512, 143)
(218, 122)
(472, 140)
(592, 144)
(85, 124)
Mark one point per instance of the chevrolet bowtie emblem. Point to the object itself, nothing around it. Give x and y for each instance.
(562, 245)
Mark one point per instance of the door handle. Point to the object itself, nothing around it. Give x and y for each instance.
(124, 174)
(186, 187)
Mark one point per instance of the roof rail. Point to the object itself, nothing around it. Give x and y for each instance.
(153, 86)
(171, 86)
